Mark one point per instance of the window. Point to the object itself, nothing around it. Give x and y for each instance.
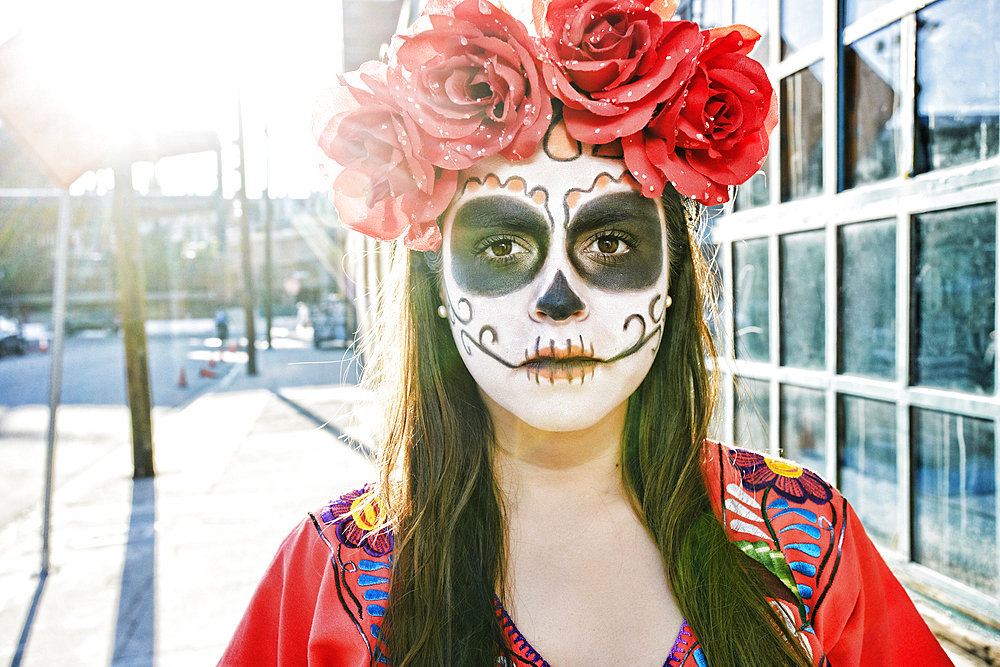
(801, 25)
(958, 83)
(867, 304)
(954, 500)
(801, 130)
(866, 448)
(753, 405)
(873, 129)
(803, 300)
(954, 298)
(803, 427)
(855, 9)
(751, 303)
(754, 14)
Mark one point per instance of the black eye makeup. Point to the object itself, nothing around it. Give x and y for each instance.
(498, 245)
(615, 242)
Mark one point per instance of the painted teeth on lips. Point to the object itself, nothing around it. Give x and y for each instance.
(557, 362)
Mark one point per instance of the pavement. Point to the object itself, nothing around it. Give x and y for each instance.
(158, 571)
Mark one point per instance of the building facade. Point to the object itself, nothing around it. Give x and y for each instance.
(858, 274)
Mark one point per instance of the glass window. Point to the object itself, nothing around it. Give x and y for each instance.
(802, 133)
(867, 304)
(866, 445)
(958, 82)
(752, 414)
(801, 24)
(803, 300)
(954, 298)
(803, 427)
(754, 14)
(855, 9)
(751, 303)
(954, 497)
(754, 192)
(706, 13)
(873, 85)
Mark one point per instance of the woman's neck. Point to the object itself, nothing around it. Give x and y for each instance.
(582, 464)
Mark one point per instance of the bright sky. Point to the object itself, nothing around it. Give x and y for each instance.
(176, 65)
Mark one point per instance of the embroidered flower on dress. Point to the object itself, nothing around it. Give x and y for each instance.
(357, 515)
(788, 480)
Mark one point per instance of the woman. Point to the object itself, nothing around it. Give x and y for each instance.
(546, 484)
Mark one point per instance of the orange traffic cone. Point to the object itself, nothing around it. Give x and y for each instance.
(182, 381)
(205, 373)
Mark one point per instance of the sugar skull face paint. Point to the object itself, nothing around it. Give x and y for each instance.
(554, 273)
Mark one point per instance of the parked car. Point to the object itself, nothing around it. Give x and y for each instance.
(12, 339)
(332, 321)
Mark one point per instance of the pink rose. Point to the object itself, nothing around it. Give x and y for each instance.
(380, 186)
(469, 82)
(613, 63)
(720, 136)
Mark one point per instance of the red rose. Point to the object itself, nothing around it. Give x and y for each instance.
(612, 63)
(469, 82)
(380, 186)
(720, 136)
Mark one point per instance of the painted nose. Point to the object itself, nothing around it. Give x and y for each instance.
(559, 301)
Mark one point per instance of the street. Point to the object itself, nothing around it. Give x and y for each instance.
(158, 571)
(94, 365)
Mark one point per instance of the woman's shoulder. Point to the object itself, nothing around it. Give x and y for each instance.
(782, 515)
(356, 520)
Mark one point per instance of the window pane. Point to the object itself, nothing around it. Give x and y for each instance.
(958, 82)
(754, 14)
(867, 465)
(954, 298)
(867, 305)
(754, 192)
(803, 299)
(855, 9)
(803, 427)
(753, 406)
(954, 501)
(872, 132)
(801, 25)
(706, 13)
(802, 133)
(751, 301)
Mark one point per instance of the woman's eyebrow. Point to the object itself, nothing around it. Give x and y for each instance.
(498, 213)
(615, 209)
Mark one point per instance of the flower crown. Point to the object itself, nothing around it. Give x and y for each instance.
(467, 81)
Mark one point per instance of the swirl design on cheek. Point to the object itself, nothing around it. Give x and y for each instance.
(480, 345)
(453, 313)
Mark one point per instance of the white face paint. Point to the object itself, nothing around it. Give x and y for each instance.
(555, 277)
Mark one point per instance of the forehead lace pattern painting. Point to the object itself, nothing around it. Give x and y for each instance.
(469, 81)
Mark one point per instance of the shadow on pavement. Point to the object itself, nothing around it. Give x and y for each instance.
(324, 424)
(135, 628)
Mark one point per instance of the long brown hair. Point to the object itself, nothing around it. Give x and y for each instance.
(447, 511)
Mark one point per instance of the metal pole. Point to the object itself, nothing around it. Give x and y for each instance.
(55, 364)
(248, 291)
(268, 258)
(55, 391)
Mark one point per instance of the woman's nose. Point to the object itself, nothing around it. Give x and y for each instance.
(559, 302)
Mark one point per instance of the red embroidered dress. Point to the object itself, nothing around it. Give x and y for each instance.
(322, 600)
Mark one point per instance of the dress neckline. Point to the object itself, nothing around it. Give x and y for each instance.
(521, 644)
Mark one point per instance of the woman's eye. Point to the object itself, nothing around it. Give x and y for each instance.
(503, 248)
(610, 245)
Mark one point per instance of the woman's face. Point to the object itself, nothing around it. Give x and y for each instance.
(555, 277)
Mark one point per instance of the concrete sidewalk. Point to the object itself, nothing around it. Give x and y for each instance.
(158, 572)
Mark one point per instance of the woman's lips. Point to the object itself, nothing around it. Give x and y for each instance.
(558, 362)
